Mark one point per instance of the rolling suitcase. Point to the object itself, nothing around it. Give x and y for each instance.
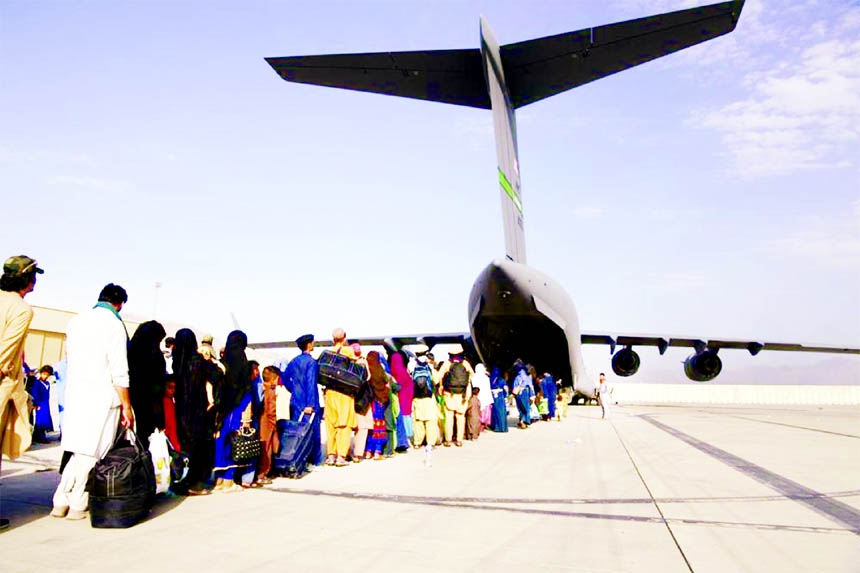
(122, 484)
(340, 373)
(296, 444)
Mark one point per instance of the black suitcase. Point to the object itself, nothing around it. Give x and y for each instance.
(340, 373)
(122, 484)
(296, 444)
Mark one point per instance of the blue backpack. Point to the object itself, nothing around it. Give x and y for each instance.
(422, 376)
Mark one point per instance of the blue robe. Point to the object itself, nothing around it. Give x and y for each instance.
(549, 390)
(499, 418)
(523, 383)
(300, 379)
(224, 464)
(41, 393)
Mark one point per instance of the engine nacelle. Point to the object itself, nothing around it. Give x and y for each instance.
(704, 366)
(625, 362)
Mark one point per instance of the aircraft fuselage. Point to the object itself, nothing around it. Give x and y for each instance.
(516, 311)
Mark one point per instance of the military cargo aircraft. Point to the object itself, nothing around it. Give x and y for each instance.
(514, 310)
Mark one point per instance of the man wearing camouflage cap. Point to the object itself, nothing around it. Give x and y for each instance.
(18, 280)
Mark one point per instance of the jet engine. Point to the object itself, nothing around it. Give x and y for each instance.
(625, 362)
(703, 366)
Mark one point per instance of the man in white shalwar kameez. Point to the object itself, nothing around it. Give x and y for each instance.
(97, 398)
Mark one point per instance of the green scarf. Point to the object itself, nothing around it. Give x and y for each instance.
(110, 307)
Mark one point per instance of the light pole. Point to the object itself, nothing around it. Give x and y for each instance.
(155, 303)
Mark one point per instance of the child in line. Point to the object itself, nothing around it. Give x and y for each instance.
(169, 406)
(473, 416)
(560, 406)
(270, 441)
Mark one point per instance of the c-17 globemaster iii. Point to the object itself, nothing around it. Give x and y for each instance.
(514, 310)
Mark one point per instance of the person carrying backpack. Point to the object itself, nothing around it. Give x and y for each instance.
(456, 378)
(425, 414)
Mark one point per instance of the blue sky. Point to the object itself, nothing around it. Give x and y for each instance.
(712, 193)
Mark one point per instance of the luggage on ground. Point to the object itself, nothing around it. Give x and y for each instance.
(122, 484)
(160, 460)
(180, 463)
(340, 373)
(296, 445)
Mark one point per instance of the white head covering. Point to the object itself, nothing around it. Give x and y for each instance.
(482, 381)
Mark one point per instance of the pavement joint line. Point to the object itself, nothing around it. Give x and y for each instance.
(830, 508)
(651, 495)
(566, 501)
(445, 502)
(794, 426)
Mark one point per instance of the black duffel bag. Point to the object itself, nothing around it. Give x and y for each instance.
(122, 484)
(340, 373)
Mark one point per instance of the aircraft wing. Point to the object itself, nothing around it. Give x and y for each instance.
(537, 69)
(390, 342)
(699, 344)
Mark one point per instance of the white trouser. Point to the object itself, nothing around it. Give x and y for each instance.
(71, 491)
(604, 407)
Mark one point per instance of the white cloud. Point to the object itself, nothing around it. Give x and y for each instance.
(91, 183)
(803, 115)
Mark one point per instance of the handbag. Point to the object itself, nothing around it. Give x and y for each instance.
(244, 445)
(179, 464)
(363, 398)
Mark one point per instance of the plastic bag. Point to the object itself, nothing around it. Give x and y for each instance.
(160, 460)
(282, 403)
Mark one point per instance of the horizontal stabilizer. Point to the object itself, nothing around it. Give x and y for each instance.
(538, 69)
(447, 76)
(533, 70)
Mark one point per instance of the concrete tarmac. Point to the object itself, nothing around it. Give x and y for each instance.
(650, 489)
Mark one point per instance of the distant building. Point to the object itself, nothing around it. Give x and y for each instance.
(46, 339)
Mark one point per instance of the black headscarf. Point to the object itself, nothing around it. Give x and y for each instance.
(184, 350)
(237, 375)
(147, 372)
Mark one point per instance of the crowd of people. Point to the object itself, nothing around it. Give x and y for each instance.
(202, 399)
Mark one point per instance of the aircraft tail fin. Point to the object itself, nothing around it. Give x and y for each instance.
(514, 75)
(505, 128)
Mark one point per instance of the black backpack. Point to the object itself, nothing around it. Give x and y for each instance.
(122, 485)
(457, 378)
(422, 375)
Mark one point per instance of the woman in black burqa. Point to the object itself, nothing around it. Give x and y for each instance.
(147, 374)
(196, 379)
